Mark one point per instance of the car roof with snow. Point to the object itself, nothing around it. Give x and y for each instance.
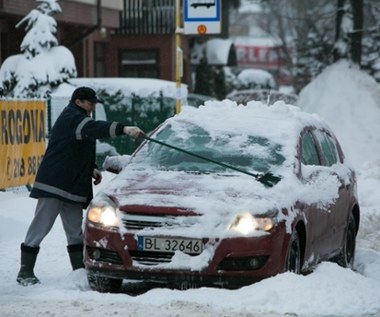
(280, 123)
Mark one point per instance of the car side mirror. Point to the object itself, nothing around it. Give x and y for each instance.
(115, 164)
(310, 172)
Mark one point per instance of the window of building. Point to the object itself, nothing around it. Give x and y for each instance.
(139, 63)
(100, 59)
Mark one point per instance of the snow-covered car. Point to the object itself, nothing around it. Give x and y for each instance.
(267, 96)
(242, 193)
(253, 78)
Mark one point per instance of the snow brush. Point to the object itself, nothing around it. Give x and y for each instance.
(265, 178)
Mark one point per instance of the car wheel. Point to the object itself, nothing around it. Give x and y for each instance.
(103, 284)
(293, 257)
(347, 255)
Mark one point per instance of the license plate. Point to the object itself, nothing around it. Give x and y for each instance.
(189, 246)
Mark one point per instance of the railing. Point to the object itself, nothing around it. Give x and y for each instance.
(147, 17)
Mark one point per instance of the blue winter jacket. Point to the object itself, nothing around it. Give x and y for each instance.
(66, 169)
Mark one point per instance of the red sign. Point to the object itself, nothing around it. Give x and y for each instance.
(260, 56)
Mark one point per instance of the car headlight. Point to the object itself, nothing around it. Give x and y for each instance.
(246, 223)
(103, 211)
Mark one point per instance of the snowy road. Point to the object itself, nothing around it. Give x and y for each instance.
(329, 291)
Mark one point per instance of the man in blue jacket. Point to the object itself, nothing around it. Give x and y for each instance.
(63, 181)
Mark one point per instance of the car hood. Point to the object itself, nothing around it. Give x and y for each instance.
(185, 190)
(213, 199)
(218, 198)
(229, 191)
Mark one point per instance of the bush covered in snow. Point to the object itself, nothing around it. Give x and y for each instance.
(42, 64)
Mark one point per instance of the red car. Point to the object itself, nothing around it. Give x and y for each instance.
(224, 196)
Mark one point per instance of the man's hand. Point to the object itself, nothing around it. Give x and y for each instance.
(97, 175)
(133, 132)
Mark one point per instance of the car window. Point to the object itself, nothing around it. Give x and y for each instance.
(328, 147)
(251, 153)
(309, 150)
(266, 96)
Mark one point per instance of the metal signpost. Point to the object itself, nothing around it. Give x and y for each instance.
(200, 17)
(179, 57)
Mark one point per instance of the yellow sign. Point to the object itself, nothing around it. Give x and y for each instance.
(22, 141)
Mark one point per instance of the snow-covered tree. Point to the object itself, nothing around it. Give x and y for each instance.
(306, 32)
(42, 64)
(371, 39)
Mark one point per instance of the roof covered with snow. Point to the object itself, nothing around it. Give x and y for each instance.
(217, 52)
(138, 86)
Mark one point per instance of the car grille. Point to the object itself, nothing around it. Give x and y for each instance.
(139, 222)
(151, 258)
(135, 222)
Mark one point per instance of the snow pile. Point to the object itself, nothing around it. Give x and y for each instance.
(349, 100)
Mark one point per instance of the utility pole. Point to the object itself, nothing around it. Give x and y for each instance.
(179, 55)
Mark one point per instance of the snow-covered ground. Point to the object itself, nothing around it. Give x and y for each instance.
(350, 101)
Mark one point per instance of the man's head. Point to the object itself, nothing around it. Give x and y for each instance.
(85, 93)
(85, 98)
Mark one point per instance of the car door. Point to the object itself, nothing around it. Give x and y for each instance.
(339, 209)
(317, 217)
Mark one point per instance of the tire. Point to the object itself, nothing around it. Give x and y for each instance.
(346, 257)
(293, 256)
(103, 284)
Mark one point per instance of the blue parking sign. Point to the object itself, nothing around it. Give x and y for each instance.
(202, 16)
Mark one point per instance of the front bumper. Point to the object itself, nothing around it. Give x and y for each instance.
(235, 262)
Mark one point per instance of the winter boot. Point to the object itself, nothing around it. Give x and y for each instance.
(26, 275)
(76, 255)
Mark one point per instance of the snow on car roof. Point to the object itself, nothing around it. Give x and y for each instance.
(280, 123)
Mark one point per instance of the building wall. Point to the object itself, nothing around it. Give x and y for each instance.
(165, 44)
(111, 4)
(86, 15)
(16, 7)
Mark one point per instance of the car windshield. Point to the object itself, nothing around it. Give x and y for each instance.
(266, 96)
(245, 152)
